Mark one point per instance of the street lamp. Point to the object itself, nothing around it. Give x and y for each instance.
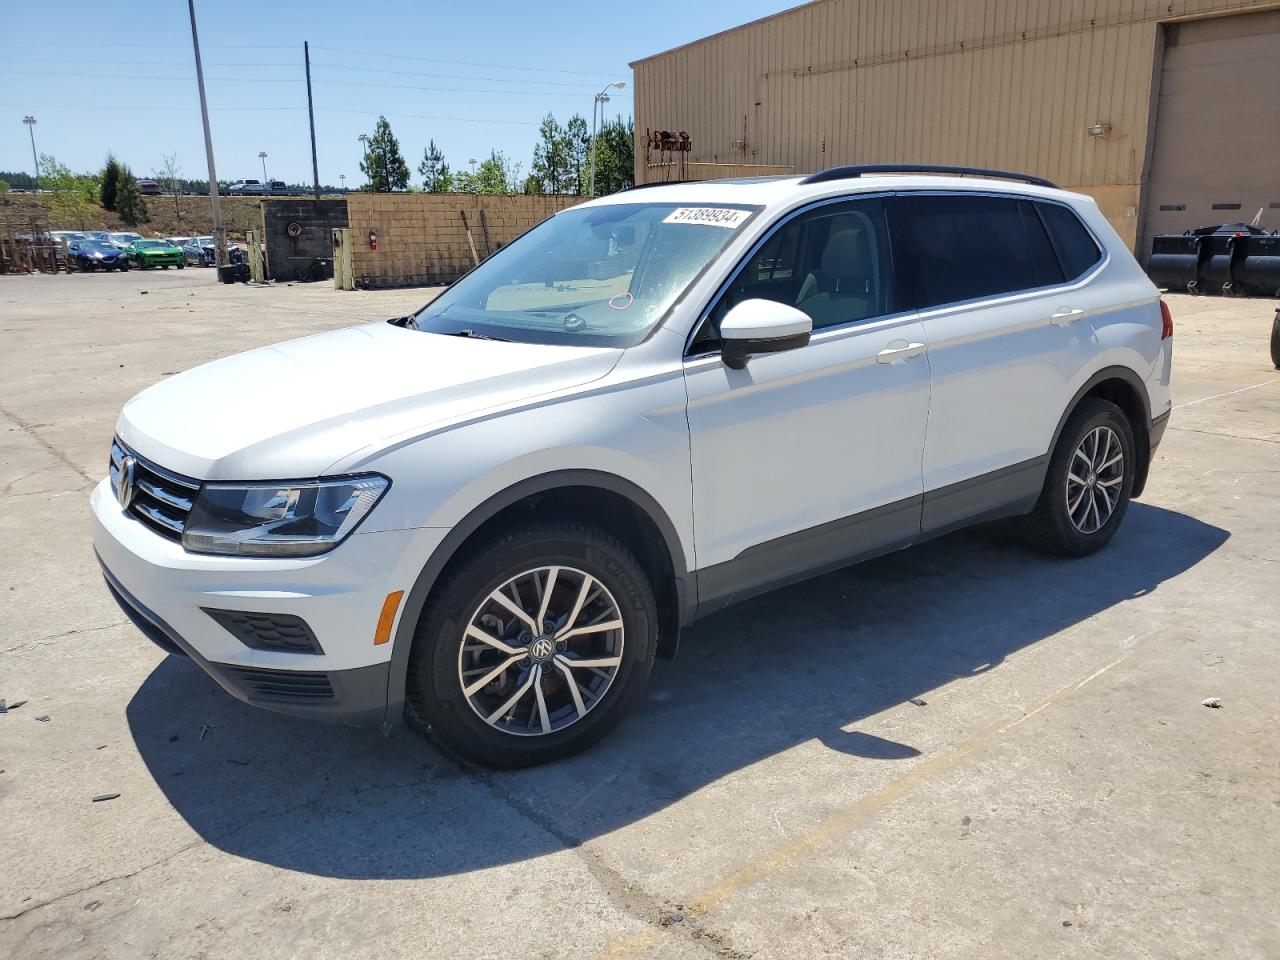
(598, 108)
(30, 121)
(343, 178)
(364, 142)
(262, 155)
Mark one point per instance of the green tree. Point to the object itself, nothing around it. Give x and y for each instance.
(129, 202)
(73, 194)
(496, 174)
(382, 164)
(551, 162)
(4, 191)
(615, 156)
(110, 183)
(577, 140)
(436, 175)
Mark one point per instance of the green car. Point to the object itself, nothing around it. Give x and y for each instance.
(155, 253)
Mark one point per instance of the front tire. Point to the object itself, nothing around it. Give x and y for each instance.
(1088, 484)
(487, 687)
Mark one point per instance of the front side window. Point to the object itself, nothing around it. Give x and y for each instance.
(963, 247)
(590, 276)
(832, 263)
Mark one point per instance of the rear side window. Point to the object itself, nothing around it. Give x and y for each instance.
(1077, 250)
(964, 247)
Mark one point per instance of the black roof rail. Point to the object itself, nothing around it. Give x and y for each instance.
(654, 183)
(863, 169)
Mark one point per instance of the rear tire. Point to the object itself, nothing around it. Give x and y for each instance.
(1088, 484)
(597, 582)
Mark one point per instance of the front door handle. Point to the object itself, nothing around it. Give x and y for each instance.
(900, 350)
(1065, 316)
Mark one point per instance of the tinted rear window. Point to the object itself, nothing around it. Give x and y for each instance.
(967, 247)
(1077, 250)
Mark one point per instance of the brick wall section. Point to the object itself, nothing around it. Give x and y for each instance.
(421, 237)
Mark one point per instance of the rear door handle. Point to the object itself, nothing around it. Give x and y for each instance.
(899, 350)
(1065, 316)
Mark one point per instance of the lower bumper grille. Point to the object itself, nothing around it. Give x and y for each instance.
(282, 686)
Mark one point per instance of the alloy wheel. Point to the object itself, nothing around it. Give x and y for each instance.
(541, 651)
(1094, 480)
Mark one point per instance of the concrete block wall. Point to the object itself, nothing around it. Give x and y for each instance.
(309, 255)
(421, 236)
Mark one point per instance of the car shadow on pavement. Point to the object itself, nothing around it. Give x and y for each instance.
(803, 664)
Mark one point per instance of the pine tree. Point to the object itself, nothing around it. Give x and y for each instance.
(382, 164)
(436, 176)
(129, 203)
(110, 183)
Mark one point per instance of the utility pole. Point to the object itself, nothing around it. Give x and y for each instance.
(262, 155)
(30, 121)
(219, 234)
(311, 115)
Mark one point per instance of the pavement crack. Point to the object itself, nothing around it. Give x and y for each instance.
(97, 883)
(659, 917)
(43, 641)
(49, 447)
(1223, 433)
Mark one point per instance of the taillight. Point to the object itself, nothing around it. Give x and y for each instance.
(1166, 321)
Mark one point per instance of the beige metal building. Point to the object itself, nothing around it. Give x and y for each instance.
(1166, 111)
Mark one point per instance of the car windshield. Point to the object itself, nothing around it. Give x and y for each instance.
(203, 241)
(125, 237)
(95, 246)
(152, 244)
(590, 276)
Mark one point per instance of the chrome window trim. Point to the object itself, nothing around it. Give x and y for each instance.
(1012, 296)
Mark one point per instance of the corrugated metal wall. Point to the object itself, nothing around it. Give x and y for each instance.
(998, 83)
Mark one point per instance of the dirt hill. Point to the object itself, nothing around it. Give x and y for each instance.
(191, 217)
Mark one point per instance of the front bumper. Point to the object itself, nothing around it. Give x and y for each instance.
(166, 591)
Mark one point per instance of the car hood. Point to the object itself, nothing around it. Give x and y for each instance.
(298, 408)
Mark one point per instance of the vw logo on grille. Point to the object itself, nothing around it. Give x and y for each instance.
(124, 491)
(541, 649)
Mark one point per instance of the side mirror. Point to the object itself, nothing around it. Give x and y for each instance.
(761, 326)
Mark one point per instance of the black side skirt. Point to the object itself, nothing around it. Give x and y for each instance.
(1008, 492)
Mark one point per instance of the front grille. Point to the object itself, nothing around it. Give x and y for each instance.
(282, 632)
(282, 686)
(160, 498)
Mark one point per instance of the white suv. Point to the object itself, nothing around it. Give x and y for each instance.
(491, 516)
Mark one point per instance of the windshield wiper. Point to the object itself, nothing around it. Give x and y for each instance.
(472, 335)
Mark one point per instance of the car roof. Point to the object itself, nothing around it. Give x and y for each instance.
(786, 191)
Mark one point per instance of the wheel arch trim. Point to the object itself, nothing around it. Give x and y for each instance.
(1134, 381)
(416, 598)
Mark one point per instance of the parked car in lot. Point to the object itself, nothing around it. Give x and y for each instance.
(155, 253)
(149, 188)
(246, 188)
(123, 239)
(202, 252)
(90, 255)
(490, 516)
(179, 242)
(102, 236)
(277, 188)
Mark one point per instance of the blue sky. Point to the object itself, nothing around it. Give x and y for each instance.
(450, 71)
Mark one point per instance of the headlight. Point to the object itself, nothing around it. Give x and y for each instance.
(287, 519)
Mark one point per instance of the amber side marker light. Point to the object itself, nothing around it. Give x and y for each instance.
(387, 617)
(1166, 321)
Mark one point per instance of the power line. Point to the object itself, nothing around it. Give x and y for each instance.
(129, 76)
(144, 63)
(407, 86)
(363, 113)
(464, 63)
(580, 84)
